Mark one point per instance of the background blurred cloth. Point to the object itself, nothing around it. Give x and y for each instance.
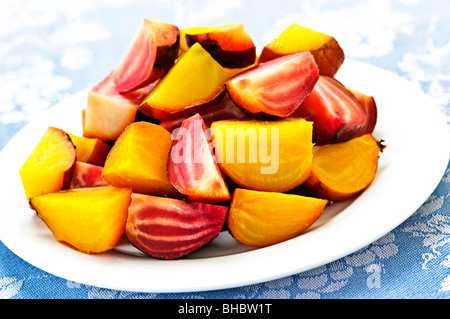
(52, 49)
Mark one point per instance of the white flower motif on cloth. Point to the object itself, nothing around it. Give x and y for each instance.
(30, 81)
(429, 66)
(366, 266)
(368, 261)
(446, 178)
(80, 32)
(9, 287)
(197, 13)
(431, 231)
(445, 285)
(76, 58)
(30, 88)
(362, 35)
(433, 227)
(100, 293)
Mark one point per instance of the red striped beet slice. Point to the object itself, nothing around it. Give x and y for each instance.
(370, 107)
(337, 114)
(191, 165)
(149, 56)
(276, 87)
(167, 228)
(87, 175)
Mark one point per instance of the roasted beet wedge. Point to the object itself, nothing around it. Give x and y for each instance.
(191, 165)
(87, 175)
(276, 87)
(326, 50)
(167, 228)
(230, 45)
(370, 107)
(337, 114)
(49, 167)
(91, 220)
(224, 110)
(148, 57)
(195, 81)
(90, 150)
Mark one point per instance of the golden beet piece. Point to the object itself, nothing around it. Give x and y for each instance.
(195, 80)
(49, 167)
(264, 155)
(138, 160)
(92, 220)
(342, 170)
(90, 150)
(327, 52)
(261, 219)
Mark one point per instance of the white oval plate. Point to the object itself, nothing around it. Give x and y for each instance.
(410, 168)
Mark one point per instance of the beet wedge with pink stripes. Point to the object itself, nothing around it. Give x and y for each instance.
(337, 114)
(191, 165)
(276, 87)
(167, 228)
(151, 53)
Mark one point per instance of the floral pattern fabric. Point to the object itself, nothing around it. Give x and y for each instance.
(50, 49)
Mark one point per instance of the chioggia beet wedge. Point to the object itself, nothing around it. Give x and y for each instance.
(92, 220)
(87, 175)
(327, 52)
(337, 114)
(230, 45)
(261, 219)
(370, 108)
(343, 170)
(277, 87)
(194, 81)
(264, 155)
(50, 165)
(149, 56)
(138, 160)
(191, 166)
(167, 228)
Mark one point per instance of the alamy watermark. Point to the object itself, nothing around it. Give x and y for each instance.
(239, 145)
(374, 278)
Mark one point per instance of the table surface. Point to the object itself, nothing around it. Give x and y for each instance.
(52, 49)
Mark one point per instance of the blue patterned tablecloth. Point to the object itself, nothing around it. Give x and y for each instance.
(50, 49)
